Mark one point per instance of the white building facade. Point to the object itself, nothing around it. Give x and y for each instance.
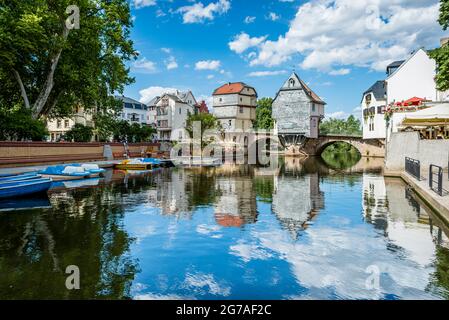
(411, 78)
(235, 106)
(58, 128)
(172, 111)
(134, 111)
(374, 103)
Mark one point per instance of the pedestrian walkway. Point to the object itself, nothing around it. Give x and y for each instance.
(439, 203)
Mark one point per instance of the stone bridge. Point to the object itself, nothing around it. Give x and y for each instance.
(314, 147)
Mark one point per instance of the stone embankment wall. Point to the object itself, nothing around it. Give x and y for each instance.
(27, 153)
(409, 144)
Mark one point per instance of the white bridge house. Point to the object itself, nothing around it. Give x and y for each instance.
(297, 112)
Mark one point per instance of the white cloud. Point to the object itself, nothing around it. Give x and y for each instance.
(340, 72)
(208, 65)
(144, 66)
(337, 115)
(249, 19)
(243, 42)
(210, 76)
(160, 13)
(206, 284)
(198, 13)
(144, 3)
(171, 63)
(336, 34)
(273, 16)
(166, 50)
(146, 95)
(266, 73)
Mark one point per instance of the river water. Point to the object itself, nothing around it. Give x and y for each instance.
(303, 230)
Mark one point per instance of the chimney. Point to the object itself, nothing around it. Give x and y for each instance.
(444, 41)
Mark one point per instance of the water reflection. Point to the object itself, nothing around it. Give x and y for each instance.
(301, 230)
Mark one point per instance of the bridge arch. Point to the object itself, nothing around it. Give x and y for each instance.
(325, 144)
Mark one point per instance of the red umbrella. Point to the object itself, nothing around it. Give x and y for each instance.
(415, 101)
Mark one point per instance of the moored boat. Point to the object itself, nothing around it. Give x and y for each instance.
(25, 187)
(135, 164)
(65, 172)
(19, 176)
(92, 168)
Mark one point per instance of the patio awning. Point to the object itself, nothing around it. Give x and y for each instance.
(433, 116)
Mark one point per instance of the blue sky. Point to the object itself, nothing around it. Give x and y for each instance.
(338, 47)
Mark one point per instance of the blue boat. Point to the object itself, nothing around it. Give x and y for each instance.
(20, 176)
(92, 168)
(22, 188)
(65, 172)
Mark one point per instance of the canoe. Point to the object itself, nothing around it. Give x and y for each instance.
(22, 188)
(64, 172)
(20, 176)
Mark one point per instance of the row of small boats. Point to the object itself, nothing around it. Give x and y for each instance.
(17, 185)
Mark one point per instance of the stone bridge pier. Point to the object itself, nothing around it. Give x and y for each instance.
(314, 147)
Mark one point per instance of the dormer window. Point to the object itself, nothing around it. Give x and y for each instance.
(368, 99)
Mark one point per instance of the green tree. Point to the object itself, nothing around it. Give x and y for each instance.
(350, 126)
(79, 133)
(49, 67)
(264, 119)
(123, 131)
(207, 121)
(441, 55)
(18, 124)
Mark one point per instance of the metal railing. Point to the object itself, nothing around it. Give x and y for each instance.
(413, 167)
(436, 179)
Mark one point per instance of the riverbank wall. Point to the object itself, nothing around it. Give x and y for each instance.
(13, 154)
(409, 144)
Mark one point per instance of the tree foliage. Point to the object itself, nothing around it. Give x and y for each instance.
(80, 133)
(17, 124)
(441, 55)
(264, 118)
(207, 122)
(49, 68)
(124, 131)
(350, 126)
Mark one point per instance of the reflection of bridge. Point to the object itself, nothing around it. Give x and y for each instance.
(314, 147)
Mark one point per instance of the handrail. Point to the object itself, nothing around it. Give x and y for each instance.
(413, 167)
(436, 184)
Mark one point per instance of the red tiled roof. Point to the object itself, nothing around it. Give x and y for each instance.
(228, 220)
(230, 88)
(202, 107)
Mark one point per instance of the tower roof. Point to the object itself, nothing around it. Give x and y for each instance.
(294, 82)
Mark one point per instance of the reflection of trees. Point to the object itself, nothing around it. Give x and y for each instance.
(440, 278)
(341, 155)
(84, 228)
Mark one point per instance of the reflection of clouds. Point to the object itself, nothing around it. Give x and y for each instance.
(336, 260)
(155, 296)
(206, 284)
(142, 232)
(248, 252)
(212, 231)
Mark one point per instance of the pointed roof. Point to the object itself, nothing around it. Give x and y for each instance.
(378, 89)
(294, 82)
